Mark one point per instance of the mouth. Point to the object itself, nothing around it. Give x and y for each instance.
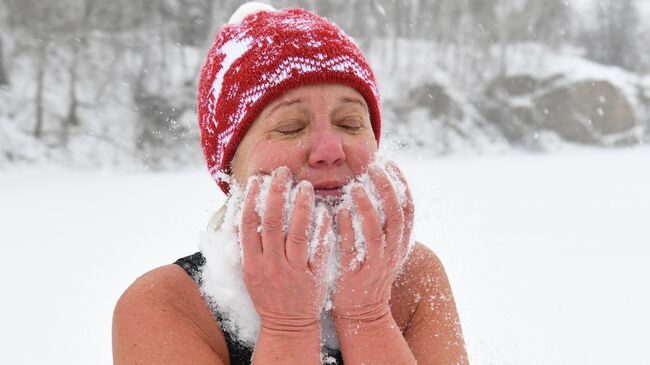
(329, 190)
(325, 193)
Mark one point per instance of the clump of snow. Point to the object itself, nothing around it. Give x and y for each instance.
(223, 284)
(222, 277)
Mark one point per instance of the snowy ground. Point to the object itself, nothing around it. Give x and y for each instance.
(547, 254)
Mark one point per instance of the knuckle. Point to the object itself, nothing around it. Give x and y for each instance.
(376, 236)
(396, 219)
(297, 237)
(272, 222)
(249, 218)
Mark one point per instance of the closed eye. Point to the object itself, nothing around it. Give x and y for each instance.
(350, 123)
(290, 128)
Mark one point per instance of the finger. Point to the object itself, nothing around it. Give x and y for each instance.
(318, 262)
(297, 237)
(396, 173)
(249, 236)
(370, 224)
(392, 209)
(273, 222)
(408, 206)
(347, 252)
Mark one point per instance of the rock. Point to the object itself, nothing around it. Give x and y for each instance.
(513, 86)
(519, 108)
(508, 107)
(585, 111)
(514, 123)
(436, 100)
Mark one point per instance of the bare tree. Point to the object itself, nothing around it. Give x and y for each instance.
(4, 79)
(614, 39)
(41, 63)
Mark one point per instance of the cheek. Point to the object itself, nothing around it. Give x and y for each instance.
(360, 155)
(268, 156)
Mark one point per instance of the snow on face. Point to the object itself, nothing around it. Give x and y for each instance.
(223, 285)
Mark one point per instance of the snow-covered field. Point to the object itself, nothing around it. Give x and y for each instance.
(547, 254)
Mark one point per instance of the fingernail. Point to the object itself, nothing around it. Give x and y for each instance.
(282, 172)
(305, 187)
(358, 190)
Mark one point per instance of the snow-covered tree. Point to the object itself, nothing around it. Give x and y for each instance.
(614, 39)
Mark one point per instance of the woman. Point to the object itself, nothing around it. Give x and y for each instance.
(287, 94)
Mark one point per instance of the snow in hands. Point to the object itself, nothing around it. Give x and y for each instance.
(223, 283)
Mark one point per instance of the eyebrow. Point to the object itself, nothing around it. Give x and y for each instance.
(348, 99)
(288, 102)
(285, 103)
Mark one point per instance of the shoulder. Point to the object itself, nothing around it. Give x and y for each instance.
(163, 318)
(422, 258)
(422, 268)
(422, 274)
(429, 317)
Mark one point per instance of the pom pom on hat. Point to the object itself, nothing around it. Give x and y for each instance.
(259, 55)
(247, 9)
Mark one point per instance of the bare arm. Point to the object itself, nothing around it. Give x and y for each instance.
(162, 319)
(433, 333)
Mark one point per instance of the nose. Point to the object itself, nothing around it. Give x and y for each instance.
(326, 148)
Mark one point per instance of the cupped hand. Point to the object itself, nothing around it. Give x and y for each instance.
(362, 291)
(285, 285)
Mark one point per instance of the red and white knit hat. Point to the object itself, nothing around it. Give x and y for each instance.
(260, 55)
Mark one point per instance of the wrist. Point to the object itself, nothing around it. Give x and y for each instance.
(360, 314)
(288, 342)
(288, 326)
(375, 322)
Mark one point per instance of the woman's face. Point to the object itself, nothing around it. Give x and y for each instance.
(321, 132)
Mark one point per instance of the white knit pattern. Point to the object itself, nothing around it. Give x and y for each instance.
(233, 49)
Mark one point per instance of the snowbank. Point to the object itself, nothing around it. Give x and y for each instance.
(546, 253)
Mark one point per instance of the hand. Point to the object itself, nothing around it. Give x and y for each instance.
(362, 291)
(284, 284)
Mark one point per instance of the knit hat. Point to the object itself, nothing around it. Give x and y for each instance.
(261, 54)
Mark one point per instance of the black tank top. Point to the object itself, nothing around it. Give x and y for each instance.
(239, 354)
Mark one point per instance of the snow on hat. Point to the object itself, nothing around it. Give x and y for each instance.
(259, 55)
